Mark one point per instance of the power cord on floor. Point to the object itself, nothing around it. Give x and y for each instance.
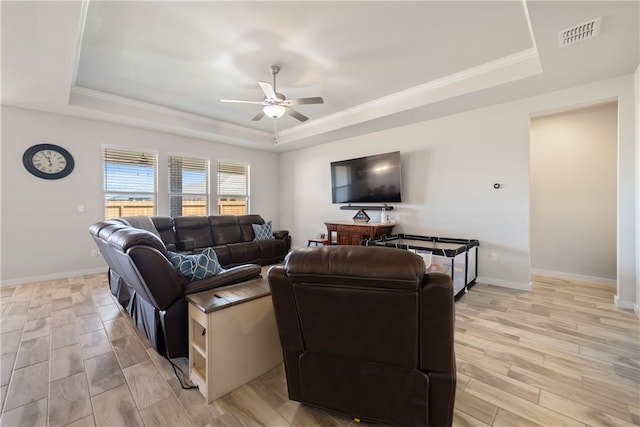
(183, 381)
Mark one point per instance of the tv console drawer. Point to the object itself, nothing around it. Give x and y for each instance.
(352, 229)
(350, 233)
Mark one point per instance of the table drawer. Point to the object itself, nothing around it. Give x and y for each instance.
(352, 229)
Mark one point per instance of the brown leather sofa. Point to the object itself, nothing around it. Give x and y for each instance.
(231, 237)
(150, 288)
(365, 331)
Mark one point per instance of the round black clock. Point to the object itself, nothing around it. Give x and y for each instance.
(48, 161)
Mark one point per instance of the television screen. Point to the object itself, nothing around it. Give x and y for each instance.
(367, 179)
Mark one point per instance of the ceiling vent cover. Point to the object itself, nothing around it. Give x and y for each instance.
(580, 32)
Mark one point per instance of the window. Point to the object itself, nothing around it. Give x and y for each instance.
(233, 189)
(188, 186)
(129, 183)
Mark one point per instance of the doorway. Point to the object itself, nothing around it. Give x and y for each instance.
(573, 193)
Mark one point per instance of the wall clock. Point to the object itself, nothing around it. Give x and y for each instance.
(48, 161)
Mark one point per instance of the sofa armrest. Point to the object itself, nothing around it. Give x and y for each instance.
(280, 234)
(286, 312)
(227, 277)
(283, 235)
(437, 323)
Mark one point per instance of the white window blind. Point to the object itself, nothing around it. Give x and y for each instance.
(188, 186)
(233, 188)
(129, 182)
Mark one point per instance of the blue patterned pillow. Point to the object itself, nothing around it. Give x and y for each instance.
(263, 231)
(196, 267)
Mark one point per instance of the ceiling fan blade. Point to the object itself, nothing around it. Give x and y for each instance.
(295, 114)
(258, 116)
(239, 101)
(299, 101)
(268, 90)
(275, 102)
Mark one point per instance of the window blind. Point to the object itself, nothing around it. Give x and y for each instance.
(188, 175)
(188, 186)
(129, 182)
(129, 171)
(232, 180)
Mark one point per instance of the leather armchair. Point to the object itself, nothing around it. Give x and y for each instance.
(150, 288)
(365, 331)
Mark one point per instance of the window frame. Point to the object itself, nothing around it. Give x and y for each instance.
(132, 151)
(247, 174)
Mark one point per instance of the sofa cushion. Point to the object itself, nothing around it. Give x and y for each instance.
(270, 249)
(195, 228)
(164, 225)
(262, 231)
(224, 256)
(196, 267)
(225, 229)
(125, 238)
(245, 252)
(142, 222)
(246, 226)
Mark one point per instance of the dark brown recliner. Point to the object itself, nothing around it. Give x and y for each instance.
(150, 288)
(365, 331)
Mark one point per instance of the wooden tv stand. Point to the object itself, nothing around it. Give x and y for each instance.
(352, 232)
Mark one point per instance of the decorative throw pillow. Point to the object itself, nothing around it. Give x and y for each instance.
(263, 231)
(196, 267)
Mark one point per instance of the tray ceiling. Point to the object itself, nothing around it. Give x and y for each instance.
(165, 65)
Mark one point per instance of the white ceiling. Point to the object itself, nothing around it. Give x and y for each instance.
(165, 65)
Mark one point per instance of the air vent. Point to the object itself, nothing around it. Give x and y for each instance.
(584, 31)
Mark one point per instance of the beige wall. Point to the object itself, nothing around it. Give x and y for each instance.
(573, 194)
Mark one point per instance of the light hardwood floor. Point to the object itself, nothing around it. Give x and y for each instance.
(561, 355)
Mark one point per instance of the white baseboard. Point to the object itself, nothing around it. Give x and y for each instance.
(571, 276)
(55, 276)
(627, 305)
(526, 286)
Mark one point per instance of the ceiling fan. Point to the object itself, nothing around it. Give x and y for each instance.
(276, 105)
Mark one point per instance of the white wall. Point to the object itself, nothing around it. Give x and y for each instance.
(637, 114)
(44, 236)
(449, 167)
(573, 194)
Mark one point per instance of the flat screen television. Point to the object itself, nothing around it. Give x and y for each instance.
(371, 179)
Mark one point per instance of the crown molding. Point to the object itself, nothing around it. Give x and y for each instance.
(157, 117)
(504, 70)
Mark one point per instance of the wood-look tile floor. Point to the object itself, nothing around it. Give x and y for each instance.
(561, 355)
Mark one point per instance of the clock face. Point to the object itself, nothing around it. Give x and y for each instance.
(48, 161)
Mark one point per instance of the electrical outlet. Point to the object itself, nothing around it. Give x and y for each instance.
(494, 256)
(94, 252)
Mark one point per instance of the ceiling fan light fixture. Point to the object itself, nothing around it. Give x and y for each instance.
(274, 111)
(276, 105)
